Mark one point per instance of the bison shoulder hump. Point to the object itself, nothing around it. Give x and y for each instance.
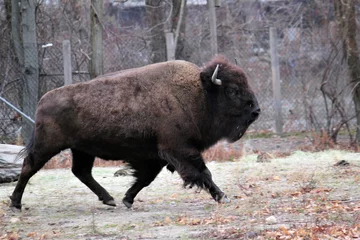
(185, 72)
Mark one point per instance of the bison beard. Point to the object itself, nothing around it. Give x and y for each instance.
(164, 114)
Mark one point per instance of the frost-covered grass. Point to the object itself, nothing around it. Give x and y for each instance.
(298, 190)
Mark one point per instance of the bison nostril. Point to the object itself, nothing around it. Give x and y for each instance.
(255, 114)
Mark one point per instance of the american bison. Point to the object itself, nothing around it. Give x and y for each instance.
(164, 114)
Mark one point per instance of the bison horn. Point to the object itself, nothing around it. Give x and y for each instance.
(214, 79)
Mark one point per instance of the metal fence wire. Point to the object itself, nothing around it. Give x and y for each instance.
(309, 66)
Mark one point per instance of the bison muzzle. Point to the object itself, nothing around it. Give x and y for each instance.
(164, 114)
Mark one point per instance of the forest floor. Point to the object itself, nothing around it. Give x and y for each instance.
(295, 195)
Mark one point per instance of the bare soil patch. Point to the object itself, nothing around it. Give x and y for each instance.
(301, 196)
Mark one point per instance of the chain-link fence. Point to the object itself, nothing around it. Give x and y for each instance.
(10, 121)
(312, 71)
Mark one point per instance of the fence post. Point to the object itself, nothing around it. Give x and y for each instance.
(170, 46)
(212, 21)
(67, 62)
(276, 81)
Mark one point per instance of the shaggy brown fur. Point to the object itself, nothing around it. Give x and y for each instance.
(161, 114)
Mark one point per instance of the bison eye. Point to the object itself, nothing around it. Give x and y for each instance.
(250, 104)
(231, 92)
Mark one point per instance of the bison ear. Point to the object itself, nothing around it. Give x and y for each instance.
(206, 75)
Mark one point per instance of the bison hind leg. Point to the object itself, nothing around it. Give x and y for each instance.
(82, 165)
(144, 174)
(32, 163)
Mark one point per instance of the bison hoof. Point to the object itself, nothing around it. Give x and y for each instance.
(224, 199)
(127, 203)
(14, 205)
(110, 202)
(15, 209)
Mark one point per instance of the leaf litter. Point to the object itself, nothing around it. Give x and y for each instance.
(305, 193)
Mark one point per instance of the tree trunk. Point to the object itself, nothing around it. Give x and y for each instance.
(346, 20)
(31, 64)
(213, 30)
(15, 31)
(96, 38)
(182, 47)
(353, 63)
(154, 15)
(7, 4)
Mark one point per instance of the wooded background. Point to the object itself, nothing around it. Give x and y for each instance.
(306, 76)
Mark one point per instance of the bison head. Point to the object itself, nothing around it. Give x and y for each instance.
(229, 98)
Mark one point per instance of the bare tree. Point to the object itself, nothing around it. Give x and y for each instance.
(31, 65)
(155, 20)
(179, 12)
(346, 21)
(15, 31)
(7, 5)
(96, 38)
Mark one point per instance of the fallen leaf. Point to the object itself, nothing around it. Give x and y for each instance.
(284, 230)
(276, 178)
(167, 220)
(10, 236)
(208, 221)
(196, 221)
(44, 236)
(275, 195)
(158, 224)
(319, 190)
(182, 220)
(31, 234)
(266, 210)
(295, 194)
(237, 197)
(302, 232)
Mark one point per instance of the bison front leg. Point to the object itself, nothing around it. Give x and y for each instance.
(214, 190)
(192, 169)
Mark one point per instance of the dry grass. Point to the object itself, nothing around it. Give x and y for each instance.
(220, 152)
(322, 141)
(64, 160)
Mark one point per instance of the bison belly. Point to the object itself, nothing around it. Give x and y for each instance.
(126, 149)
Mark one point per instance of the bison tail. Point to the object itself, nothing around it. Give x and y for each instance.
(27, 149)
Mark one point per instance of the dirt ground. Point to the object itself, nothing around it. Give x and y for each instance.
(301, 196)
